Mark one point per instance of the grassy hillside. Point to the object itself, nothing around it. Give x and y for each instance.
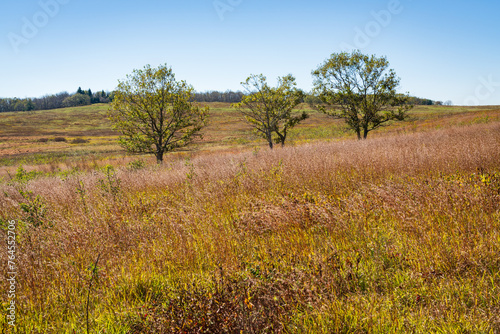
(48, 137)
(398, 233)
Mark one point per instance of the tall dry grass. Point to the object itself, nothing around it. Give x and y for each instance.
(392, 234)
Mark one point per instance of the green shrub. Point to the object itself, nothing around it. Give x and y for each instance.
(136, 164)
(23, 176)
(34, 208)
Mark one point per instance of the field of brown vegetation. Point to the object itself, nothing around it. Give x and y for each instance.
(398, 233)
(81, 137)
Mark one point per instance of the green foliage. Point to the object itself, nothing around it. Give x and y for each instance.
(191, 174)
(136, 164)
(269, 109)
(23, 176)
(29, 106)
(155, 113)
(77, 100)
(34, 208)
(65, 174)
(360, 89)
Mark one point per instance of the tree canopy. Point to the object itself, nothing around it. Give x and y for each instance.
(270, 109)
(77, 100)
(154, 112)
(360, 89)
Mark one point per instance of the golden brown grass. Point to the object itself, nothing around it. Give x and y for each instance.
(399, 233)
(29, 139)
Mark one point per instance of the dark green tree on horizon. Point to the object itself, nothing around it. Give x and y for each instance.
(29, 106)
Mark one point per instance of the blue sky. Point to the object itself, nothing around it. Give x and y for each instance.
(442, 50)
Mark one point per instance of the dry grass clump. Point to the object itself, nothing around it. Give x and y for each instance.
(392, 234)
(79, 141)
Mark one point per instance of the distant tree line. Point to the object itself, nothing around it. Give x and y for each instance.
(86, 97)
(426, 102)
(59, 100)
(236, 97)
(215, 96)
(312, 99)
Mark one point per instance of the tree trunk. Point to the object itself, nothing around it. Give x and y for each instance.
(365, 133)
(159, 158)
(270, 140)
(358, 132)
(282, 138)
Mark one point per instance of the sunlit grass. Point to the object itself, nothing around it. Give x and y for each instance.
(25, 135)
(399, 233)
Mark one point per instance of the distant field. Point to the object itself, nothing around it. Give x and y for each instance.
(31, 139)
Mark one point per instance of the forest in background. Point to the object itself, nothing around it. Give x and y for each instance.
(88, 97)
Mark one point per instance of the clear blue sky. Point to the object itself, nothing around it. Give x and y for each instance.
(442, 50)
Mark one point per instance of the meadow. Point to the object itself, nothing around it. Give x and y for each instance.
(82, 138)
(395, 234)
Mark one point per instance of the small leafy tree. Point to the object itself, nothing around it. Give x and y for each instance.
(270, 109)
(360, 89)
(76, 100)
(155, 113)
